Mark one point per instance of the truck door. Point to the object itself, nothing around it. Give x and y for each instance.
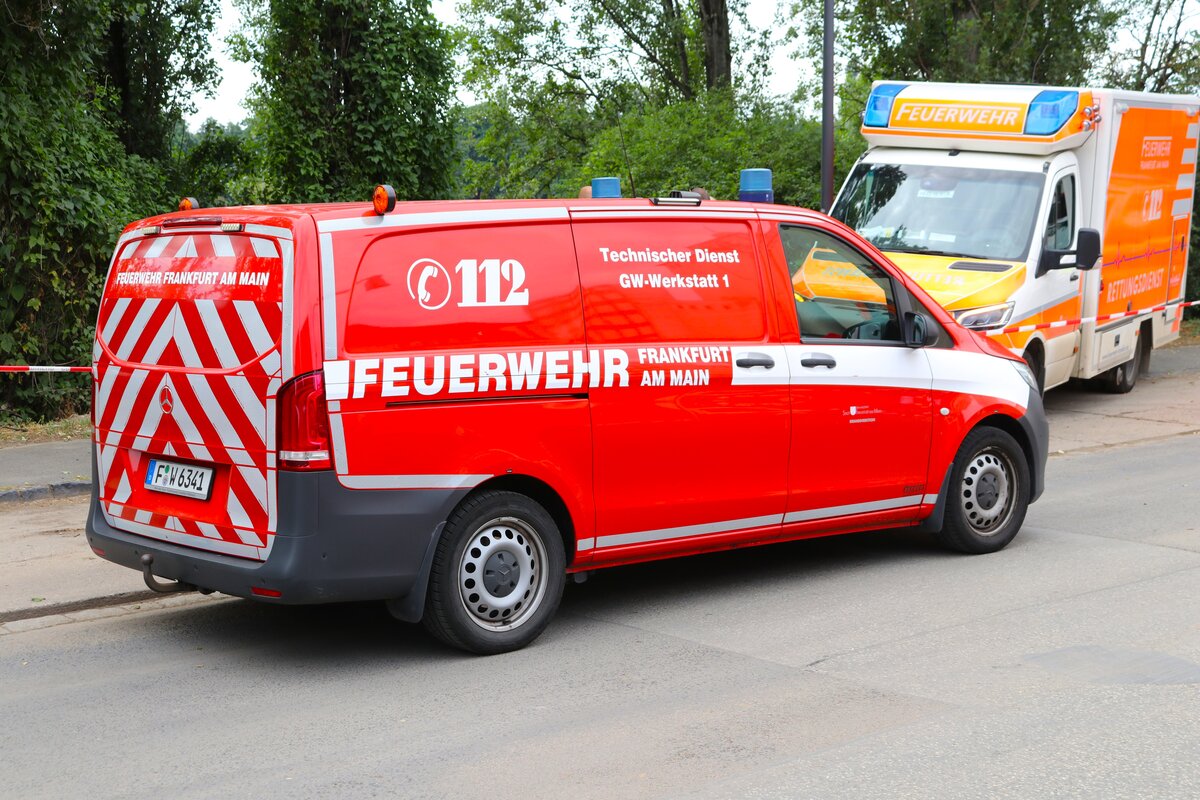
(1058, 293)
(692, 448)
(861, 399)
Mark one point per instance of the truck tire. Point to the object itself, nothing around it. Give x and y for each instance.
(1036, 362)
(988, 494)
(497, 575)
(1122, 378)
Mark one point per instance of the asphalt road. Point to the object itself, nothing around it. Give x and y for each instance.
(863, 666)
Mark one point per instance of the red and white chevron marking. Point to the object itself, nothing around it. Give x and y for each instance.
(1064, 323)
(190, 371)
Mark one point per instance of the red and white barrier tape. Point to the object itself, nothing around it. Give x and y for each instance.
(1063, 323)
(43, 369)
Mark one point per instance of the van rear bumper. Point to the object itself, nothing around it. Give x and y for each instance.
(333, 545)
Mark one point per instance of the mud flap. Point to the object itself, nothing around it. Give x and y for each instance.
(411, 607)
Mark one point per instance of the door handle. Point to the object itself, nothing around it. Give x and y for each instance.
(818, 360)
(756, 360)
(1074, 276)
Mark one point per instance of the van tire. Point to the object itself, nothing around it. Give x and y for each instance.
(988, 493)
(1122, 378)
(497, 575)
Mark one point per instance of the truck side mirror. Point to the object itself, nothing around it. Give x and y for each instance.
(917, 330)
(1087, 248)
(1084, 256)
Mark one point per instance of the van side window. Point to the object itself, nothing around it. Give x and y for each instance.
(670, 281)
(1060, 227)
(840, 294)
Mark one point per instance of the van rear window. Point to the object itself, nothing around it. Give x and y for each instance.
(210, 301)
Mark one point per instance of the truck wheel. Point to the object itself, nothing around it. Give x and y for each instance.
(1123, 377)
(497, 575)
(989, 493)
(1036, 363)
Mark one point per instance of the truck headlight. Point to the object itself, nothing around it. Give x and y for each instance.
(985, 318)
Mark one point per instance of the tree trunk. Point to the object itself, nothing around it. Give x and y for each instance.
(678, 44)
(118, 69)
(718, 60)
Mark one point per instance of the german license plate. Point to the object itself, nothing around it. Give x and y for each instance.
(182, 479)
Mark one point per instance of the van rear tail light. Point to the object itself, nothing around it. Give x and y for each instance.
(304, 424)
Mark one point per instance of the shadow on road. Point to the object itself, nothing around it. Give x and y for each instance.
(336, 636)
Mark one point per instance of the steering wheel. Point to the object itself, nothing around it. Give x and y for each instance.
(870, 327)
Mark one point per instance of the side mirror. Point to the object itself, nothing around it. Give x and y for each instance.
(1087, 248)
(917, 330)
(1084, 256)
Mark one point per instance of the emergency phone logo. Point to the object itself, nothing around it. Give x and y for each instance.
(476, 283)
(429, 283)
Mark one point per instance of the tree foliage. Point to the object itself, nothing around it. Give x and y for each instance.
(350, 93)
(156, 56)
(214, 165)
(971, 41)
(1164, 54)
(66, 188)
(708, 142)
(662, 50)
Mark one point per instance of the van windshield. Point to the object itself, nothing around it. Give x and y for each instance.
(973, 213)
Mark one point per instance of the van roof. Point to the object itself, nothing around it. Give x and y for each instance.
(286, 215)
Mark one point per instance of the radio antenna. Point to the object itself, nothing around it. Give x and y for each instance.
(625, 154)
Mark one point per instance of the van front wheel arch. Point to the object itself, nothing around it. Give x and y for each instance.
(988, 493)
(497, 574)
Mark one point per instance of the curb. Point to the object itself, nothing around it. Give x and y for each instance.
(27, 493)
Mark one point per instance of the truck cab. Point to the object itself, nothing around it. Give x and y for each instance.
(994, 199)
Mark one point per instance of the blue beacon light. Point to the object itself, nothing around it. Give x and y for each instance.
(879, 105)
(755, 186)
(1050, 110)
(606, 187)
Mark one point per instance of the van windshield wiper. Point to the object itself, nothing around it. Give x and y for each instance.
(925, 251)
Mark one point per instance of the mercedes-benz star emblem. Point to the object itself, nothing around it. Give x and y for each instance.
(166, 400)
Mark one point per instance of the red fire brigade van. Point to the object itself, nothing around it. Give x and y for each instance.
(451, 406)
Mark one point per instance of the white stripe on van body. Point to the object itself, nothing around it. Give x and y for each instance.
(114, 318)
(400, 219)
(734, 525)
(137, 328)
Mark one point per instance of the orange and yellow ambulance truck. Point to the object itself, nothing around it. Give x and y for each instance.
(451, 406)
(1054, 219)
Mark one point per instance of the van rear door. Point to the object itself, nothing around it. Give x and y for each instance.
(187, 364)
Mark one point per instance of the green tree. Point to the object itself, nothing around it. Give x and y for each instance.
(214, 165)
(350, 93)
(157, 56)
(66, 188)
(970, 41)
(708, 142)
(1164, 50)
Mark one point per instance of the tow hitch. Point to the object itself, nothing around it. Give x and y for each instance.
(160, 586)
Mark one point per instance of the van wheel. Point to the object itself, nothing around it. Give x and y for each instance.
(1122, 378)
(497, 575)
(989, 493)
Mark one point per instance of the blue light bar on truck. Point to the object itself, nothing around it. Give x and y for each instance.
(606, 187)
(1050, 110)
(879, 104)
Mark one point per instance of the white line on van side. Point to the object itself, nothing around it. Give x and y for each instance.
(400, 219)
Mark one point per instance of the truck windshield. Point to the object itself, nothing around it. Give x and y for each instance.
(973, 213)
